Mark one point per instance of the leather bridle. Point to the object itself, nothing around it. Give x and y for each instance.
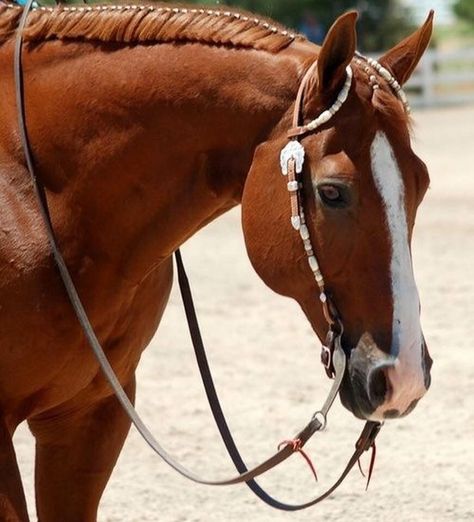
(335, 357)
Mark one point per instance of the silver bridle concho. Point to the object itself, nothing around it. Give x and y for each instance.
(292, 159)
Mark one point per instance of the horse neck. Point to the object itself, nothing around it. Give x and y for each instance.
(157, 142)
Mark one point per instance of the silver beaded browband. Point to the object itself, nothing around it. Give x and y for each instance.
(386, 75)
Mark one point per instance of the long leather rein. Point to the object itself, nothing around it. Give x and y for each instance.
(317, 422)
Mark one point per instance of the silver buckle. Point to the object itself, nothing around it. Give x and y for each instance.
(326, 357)
(292, 150)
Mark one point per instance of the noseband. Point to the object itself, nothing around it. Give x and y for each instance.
(334, 358)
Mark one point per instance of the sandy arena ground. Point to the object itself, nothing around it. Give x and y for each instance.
(265, 360)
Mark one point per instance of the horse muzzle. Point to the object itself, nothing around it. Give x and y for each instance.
(379, 386)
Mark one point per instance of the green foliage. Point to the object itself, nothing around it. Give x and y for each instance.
(464, 9)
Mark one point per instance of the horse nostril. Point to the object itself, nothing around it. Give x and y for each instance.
(378, 386)
(368, 367)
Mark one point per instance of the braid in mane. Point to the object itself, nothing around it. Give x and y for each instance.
(145, 24)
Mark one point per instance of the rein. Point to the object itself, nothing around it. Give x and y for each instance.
(334, 357)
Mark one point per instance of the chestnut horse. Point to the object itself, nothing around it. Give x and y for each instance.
(146, 124)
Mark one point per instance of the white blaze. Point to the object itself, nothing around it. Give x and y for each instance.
(406, 378)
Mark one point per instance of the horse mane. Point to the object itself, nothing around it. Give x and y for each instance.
(148, 23)
(155, 23)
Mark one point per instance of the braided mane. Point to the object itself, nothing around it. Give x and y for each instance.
(146, 24)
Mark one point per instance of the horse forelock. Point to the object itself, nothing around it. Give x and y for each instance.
(382, 99)
(147, 24)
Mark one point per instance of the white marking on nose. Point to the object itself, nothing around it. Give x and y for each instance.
(406, 379)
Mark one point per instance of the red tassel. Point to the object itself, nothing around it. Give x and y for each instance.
(360, 467)
(371, 466)
(297, 446)
(372, 462)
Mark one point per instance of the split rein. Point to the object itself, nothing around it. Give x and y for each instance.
(333, 355)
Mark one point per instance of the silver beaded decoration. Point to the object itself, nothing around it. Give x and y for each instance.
(386, 75)
(341, 98)
(294, 152)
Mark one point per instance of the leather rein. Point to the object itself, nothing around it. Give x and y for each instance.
(334, 357)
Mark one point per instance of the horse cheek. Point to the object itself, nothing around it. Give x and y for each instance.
(273, 246)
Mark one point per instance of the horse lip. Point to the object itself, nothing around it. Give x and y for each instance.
(348, 400)
(346, 392)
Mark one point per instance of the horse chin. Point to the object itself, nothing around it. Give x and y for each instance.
(348, 400)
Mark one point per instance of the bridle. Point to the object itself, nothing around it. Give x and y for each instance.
(292, 159)
(333, 356)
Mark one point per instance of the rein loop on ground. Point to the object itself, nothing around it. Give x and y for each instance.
(337, 360)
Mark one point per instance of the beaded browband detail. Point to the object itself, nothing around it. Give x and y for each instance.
(341, 98)
(386, 75)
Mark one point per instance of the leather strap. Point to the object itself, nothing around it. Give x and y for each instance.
(368, 434)
(297, 129)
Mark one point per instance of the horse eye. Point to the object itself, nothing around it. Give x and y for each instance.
(332, 196)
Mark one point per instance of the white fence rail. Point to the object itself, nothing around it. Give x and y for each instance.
(443, 78)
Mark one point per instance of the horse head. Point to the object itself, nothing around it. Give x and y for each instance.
(362, 185)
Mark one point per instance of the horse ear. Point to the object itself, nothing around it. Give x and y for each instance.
(402, 59)
(336, 53)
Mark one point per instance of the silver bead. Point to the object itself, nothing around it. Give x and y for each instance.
(385, 74)
(324, 117)
(304, 232)
(296, 222)
(342, 97)
(313, 264)
(292, 186)
(319, 277)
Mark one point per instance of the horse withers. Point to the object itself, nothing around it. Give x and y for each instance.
(146, 123)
